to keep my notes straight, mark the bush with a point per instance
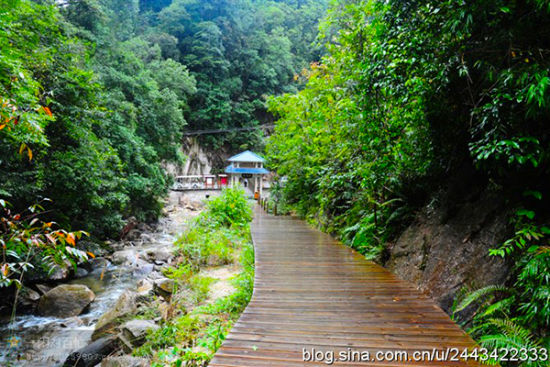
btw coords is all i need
(230, 208)
(30, 243)
(215, 237)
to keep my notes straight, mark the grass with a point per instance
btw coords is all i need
(218, 236)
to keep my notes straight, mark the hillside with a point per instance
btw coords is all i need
(421, 141)
(414, 132)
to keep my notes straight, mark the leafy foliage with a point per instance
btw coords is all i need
(410, 93)
(23, 104)
(231, 208)
(95, 95)
(238, 52)
(518, 316)
(31, 244)
(214, 238)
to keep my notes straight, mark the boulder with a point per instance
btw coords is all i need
(125, 257)
(124, 306)
(161, 255)
(144, 290)
(80, 273)
(43, 288)
(65, 300)
(135, 330)
(163, 286)
(28, 297)
(125, 361)
(93, 353)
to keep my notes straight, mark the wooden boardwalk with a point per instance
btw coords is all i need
(311, 292)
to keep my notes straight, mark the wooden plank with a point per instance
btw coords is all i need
(313, 293)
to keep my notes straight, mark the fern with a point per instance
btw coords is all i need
(478, 294)
(511, 335)
(516, 333)
(498, 307)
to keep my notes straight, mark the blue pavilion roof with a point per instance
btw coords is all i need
(246, 156)
(258, 171)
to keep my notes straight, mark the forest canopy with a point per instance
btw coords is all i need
(377, 104)
(96, 94)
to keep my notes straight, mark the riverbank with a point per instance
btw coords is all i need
(213, 277)
(47, 339)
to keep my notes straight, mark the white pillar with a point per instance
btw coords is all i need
(261, 177)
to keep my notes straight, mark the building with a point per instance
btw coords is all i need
(247, 169)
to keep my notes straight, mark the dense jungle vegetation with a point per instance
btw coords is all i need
(219, 236)
(409, 93)
(393, 99)
(96, 94)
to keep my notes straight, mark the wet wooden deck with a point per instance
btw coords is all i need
(312, 292)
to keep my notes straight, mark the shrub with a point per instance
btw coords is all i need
(230, 208)
(28, 243)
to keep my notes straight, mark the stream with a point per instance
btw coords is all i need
(47, 341)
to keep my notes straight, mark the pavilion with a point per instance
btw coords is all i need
(247, 169)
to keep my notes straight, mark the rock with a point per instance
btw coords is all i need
(42, 288)
(133, 235)
(147, 237)
(99, 262)
(98, 249)
(143, 268)
(125, 257)
(135, 330)
(117, 246)
(447, 246)
(124, 306)
(155, 275)
(28, 297)
(158, 268)
(80, 273)
(58, 273)
(30, 294)
(166, 311)
(93, 353)
(65, 300)
(125, 361)
(191, 208)
(143, 227)
(162, 255)
(163, 286)
(144, 290)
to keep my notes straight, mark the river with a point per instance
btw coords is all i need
(34, 341)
